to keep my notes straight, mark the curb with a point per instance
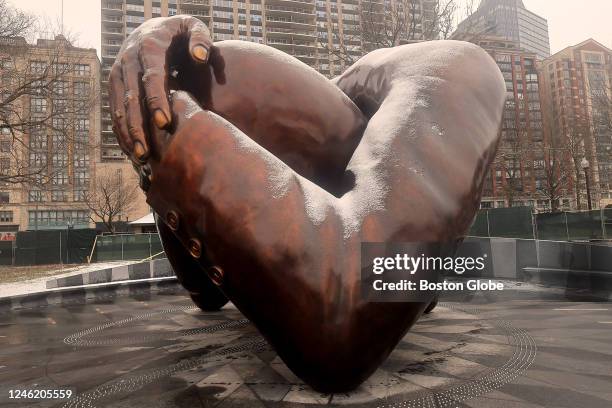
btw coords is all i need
(156, 268)
(94, 293)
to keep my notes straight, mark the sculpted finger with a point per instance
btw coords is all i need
(117, 92)
(200, 41)
(132, 103)
(152, 57)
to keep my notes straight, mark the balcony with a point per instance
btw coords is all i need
(303, 4)
(288, 11)
(195, 3)
(280, 32)
(112, 154)
(109, 20)
(112, 7)
(290, 22)
(116, 33)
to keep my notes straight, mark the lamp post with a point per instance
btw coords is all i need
(585, 166)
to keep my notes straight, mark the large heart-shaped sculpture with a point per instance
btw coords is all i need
(267, 193)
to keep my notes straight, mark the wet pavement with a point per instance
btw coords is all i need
(161, 351)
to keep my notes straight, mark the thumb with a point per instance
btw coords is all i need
(182, 106)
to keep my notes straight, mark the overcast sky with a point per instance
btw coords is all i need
(569, 21)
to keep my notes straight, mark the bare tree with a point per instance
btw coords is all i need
(601, 98)
(110, 197)
(44, 117)
(556, 175)
(555, 170)
(601, 102)
(14, 22)
(508, 159)
(382, 24)
(574, 141)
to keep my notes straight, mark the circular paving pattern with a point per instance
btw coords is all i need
(449, 356)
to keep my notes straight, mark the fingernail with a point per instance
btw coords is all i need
(139, 151)
(199, 52)
(160, 118)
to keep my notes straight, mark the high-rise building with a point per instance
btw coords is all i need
(577, 83)
(310, 30)
(48, 133)
(517, 175)
(510, 20)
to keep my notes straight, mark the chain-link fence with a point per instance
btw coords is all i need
(48, 247)
(126, 247)
(521, 222)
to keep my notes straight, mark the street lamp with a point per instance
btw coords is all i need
(585, 166)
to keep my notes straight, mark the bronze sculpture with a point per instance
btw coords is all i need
(271, 208)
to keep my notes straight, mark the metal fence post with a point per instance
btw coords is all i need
(488, 226)
(150, 253)
(122, 248)
(60, 250)
(603, 223)
(566, 225)
(534, 225)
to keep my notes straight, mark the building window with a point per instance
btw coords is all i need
(81, 160)
(6, 63)
(57, 217)
(4, 197)
(81, 178)
(35, 196)
(80, 194)
(5, 165)
(58, 196)
(60, 68)
(81, 89)
(134, 7)
(5, 146)
(6, 216)
(82, 125)
(137, 19)
(60, 88)
(37, 159)
(38, 105)
(60, 179)
(37, 67)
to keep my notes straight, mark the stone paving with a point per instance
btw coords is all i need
(161, 351)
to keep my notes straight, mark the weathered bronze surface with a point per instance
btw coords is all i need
(276, 175)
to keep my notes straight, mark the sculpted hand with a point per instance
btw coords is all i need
(139, 78)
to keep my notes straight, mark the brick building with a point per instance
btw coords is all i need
(48, 132)
(577, 83)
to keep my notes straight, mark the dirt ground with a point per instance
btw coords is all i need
(10, 274)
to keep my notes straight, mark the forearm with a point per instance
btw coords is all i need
(231, 189)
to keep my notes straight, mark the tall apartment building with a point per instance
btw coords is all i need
(48, 131)
(517, 175)
(577, 82)
(310, 30)
(510, 20)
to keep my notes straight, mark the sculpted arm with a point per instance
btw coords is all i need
(289, 250)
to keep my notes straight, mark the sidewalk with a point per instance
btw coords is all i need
(39, 284)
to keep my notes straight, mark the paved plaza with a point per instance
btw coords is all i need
(161, 351)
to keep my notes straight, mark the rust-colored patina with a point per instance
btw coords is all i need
(268, 177)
